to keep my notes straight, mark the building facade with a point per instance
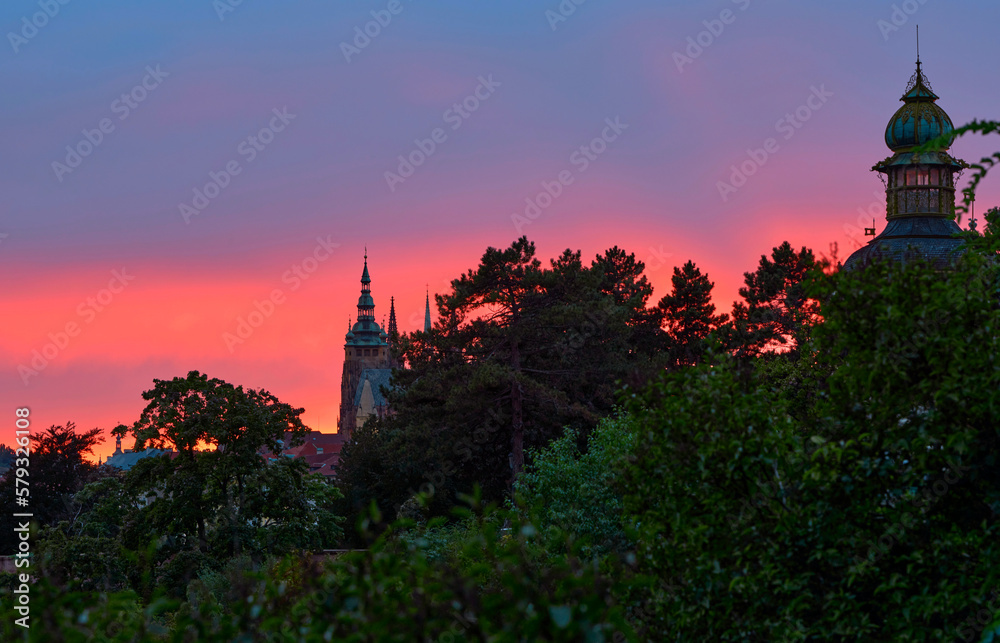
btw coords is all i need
(367, 359)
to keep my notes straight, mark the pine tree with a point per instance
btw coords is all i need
(689, 315)
(775, 312)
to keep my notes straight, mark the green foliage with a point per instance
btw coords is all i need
(689, 315)
(59, 467)
(170, 519)
(577, 493)
(58, 614)
(776, 313)
(491, 583)
(82, 562)
(226, 500)
(520, 352)
(980, 169)
(858, 501)
(6, 456)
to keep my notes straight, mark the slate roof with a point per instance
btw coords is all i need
(379, 377)
(128, 459)
(929, 238)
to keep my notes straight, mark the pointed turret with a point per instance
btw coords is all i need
(393, 329)
(366, 305)
(427, 313)
(366, 331)
(366, 350)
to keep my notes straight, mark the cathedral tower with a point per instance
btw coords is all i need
(367, 364)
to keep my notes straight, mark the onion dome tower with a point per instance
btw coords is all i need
(366, 348)
(920, 186)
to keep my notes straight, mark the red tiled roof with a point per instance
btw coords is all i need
(321, 451)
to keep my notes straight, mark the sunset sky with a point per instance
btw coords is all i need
(172, 165)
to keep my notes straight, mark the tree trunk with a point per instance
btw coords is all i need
(516, 406)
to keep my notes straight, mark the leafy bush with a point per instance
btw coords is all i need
(493, 583)
(872, 515)
(577, 493)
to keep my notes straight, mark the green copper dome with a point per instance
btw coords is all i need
(366, 331)
(919, 186)
(919, 120)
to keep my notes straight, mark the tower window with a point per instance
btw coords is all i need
(922, 176)
(935, 177)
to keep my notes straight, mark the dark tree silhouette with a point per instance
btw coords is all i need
(689, 315)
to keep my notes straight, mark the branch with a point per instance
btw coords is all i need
(980, 169)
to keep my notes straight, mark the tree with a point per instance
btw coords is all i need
(689, 315)
(505, 288)
(6, 456)
(218, 494)
(872, 516)
(59, 467)
(979, 170)
(775, 313)
(521, 351)
(574, 492)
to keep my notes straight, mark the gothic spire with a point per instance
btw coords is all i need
(427, 312)
(393, 330)
(366, 305)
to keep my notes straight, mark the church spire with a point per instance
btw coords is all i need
(393, 330)
(366, 305)
(427, 312)
(365, 331)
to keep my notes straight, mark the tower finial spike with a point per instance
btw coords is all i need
(427, 311)
(918, 44)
